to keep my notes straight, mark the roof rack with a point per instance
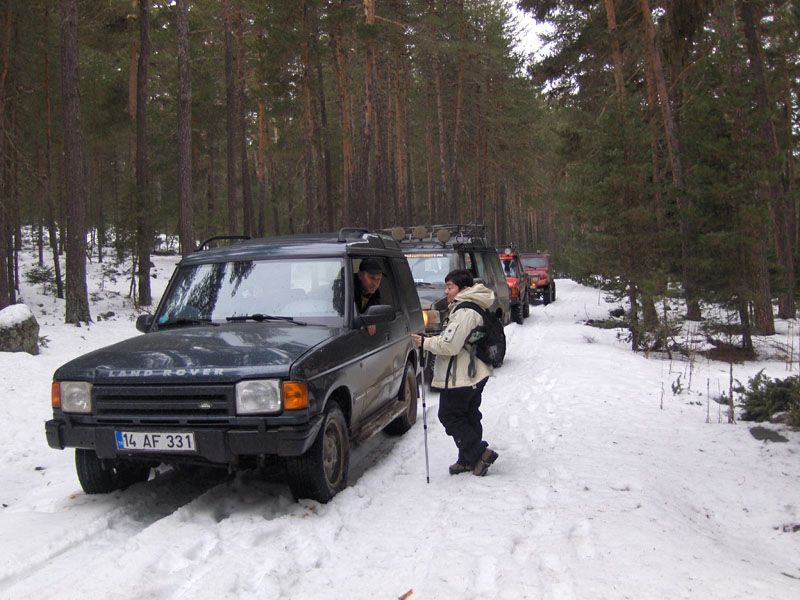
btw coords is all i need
(230, 238)
(358, 231)
(455, 233)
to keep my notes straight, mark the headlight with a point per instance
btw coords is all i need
(430, 317)
(74, 396)
(258, 396)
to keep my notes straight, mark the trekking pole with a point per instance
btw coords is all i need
(425, 418)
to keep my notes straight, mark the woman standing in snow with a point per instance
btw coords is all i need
(459, 376)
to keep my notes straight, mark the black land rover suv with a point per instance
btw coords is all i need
(433, 251)
(256, 351)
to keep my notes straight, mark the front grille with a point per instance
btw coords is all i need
(164, 405)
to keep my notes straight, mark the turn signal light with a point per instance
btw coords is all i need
(295, 395)
(55, 394)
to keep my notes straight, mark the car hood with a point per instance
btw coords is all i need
(224, 353)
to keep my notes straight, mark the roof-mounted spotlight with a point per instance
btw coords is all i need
(443, 235)
(419, 232)
(398, 234)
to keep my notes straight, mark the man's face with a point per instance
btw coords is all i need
(450, 290)
(370, 282)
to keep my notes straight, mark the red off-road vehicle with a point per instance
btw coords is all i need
(519, 284)
(540, 269)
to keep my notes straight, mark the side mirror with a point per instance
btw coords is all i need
(143, 322)
(379, 313)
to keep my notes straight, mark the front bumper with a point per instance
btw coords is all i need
(222, 445)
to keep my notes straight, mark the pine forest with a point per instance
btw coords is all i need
(649, 145)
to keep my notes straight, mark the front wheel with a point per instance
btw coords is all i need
(516, 314)
(408, 396)
(101, 477)
(321, 472)
(526, 307)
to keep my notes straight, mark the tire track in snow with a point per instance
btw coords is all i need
(143, 505)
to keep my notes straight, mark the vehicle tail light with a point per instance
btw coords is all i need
(295, 395)
(55, 394)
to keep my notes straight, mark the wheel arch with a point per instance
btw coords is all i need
(341, 396)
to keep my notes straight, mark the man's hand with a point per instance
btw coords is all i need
(371, 329)
(417, 340)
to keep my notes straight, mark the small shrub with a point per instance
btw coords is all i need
(764, 398)
(677, 387)
(43, 276)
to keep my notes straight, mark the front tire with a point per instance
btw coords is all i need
(101, 477)
(547, 295)
(408, 395)
(517, 315)
(321, 472)
(526, 307)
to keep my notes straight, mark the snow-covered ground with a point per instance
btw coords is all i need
(599, 491)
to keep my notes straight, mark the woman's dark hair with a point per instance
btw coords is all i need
(461, 278)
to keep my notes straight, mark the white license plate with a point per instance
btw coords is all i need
(161, 441)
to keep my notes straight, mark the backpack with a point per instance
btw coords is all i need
(488, 341)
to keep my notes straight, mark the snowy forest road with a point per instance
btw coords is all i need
(598, 492)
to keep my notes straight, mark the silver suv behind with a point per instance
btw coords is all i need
(433, 251)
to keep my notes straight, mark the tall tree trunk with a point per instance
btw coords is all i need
(401, 142)
(429, 185)
(144, 234)
(326, 186)
(48, 177)
(341, 74)
(653, 55)
(443, 192)
(211, 191)
(247, 190)
(77, 299)
(367, 162)
(230, 119)
(273, 185)
(455, 154)
(5, 254)
(261, 167)
(185, 211)
(133, 62)
(782, 206)
(310, 159)
(616, 51)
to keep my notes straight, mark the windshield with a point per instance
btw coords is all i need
(509, 267)
(429, 267)
(309, 290)
(536, 262)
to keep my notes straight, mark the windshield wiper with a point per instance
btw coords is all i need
(261, 317)
(181, 322)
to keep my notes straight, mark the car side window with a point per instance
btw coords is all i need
(387, 291)
(481, 270)
(493, 265)
(406, 289)
(389, 288)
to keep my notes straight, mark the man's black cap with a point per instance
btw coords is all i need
(371, 265)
